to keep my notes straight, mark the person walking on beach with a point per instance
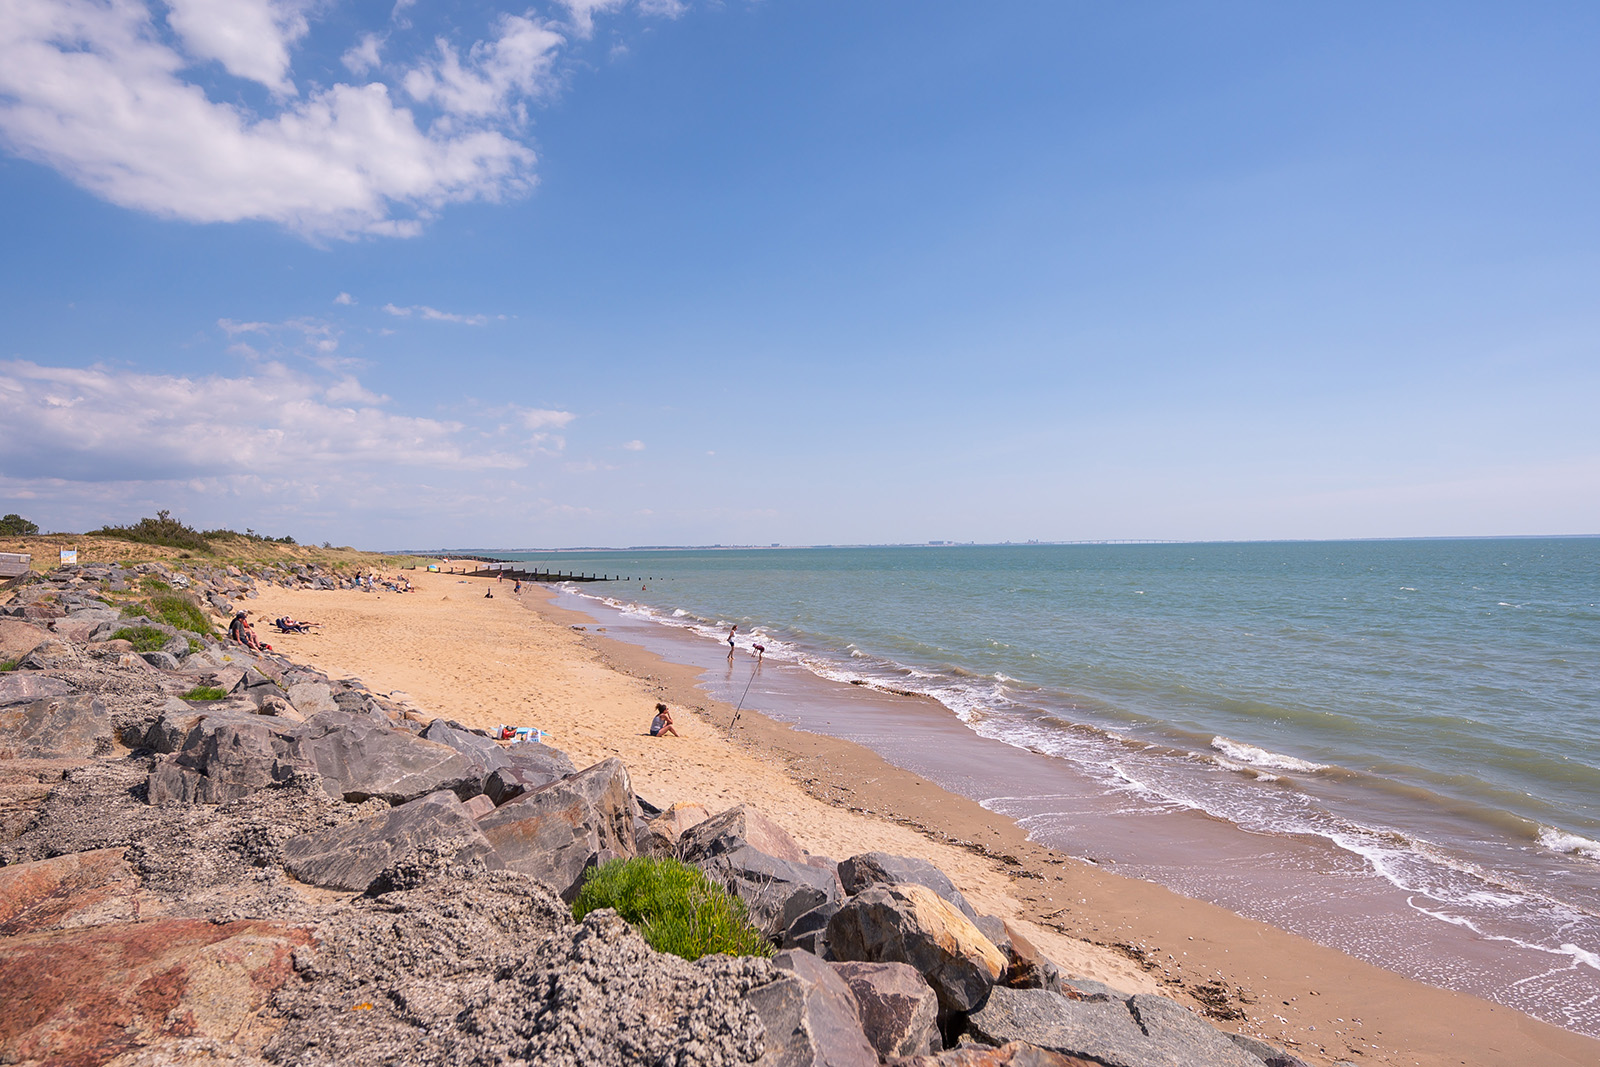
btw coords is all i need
(731, 631)
(661, 725)
(516, 587)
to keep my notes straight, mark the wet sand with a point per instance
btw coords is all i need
(488, 661)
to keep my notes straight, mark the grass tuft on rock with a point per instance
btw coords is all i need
(674, 906)
(8, 665)
(143, 638)
(174, 609)
(205, 692)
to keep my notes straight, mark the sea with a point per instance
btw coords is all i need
(1391, 747)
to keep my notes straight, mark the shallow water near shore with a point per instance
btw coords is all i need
(1390, 747)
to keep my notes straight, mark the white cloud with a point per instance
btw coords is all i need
(582, 13)
(345, 299)
(517, 62)
(363, 55)
(98, 425)
(634, 446)
(540, 419)
(423, 311)
(250, 38)
(92, 88)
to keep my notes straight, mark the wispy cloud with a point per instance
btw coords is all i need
(423, 311)
(634, 446)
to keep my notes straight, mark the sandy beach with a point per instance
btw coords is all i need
(485, 661)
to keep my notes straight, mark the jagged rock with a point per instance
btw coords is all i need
(352, 855)
(532, 766)
(53, 892)
(1013, 1054)
(738, 828)
(20, 688)
(479, 806)
(481, 750)
(360, 757)
(910, 923)
(161, 660)
(221, 759)
(1269, 1055)
(1136, 1031)
(51, 654)
(881, 868)
(776, 891)
(809, 932)
(899, 1011)
(673, 822)
(810, 1016)
(18, 638)
(56, 728)
(82, 996)
(553, 833)
(1026, 966)
(311, 698)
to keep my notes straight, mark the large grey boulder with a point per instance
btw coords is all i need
(810, 1016)
(480, 749)
(738, 828)
(912, 924)
(899, 1011)
(810, 931)
(531, 766)
(881, 868)
(311, 697)
(1137, 1031)
(360, 758)
(226, 757)
(52, 654)
(58, 727)
(556, 832)
(775, 891)
(223, 758)
(19, 687)
(352, 855)
(1012, 1054)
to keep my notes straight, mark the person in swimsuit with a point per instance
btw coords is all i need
(731, 631)
(661, 725)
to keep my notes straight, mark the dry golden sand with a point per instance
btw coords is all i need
(483, 662)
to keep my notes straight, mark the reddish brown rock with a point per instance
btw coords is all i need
(18, 638)
(80, 997)
(1014, 1054)
(38, 896)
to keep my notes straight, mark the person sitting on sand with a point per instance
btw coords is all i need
(661, 725)
(489, 595)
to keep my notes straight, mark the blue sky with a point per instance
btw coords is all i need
(609, 273)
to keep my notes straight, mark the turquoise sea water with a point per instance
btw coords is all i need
(1410, 724)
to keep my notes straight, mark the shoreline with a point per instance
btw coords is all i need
(840, 798)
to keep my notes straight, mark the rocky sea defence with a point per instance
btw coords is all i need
(212, 854)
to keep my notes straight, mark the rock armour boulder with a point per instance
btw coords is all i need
(899, 1011)
(353, 855)
(555, 832)
(881, 868)
(1137, 1031)
(58, 727)
(811, 1017)
(912, 924)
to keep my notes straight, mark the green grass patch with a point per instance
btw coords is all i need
(674, 906)
(196, 645)
(144, 638)
(205, 692)
(151, 584)
(8, 665)
(135, 611)
(181, 611)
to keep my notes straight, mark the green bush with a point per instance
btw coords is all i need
(180, 611)
(14, 525)
(151, 584)
(205, 692)
(161, 530)
(144, 638)
(135, 611)
(7, 665)
(674, 906)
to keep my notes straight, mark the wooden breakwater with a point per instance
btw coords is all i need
(503, 570)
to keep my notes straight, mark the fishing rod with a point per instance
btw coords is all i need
(739, 707)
